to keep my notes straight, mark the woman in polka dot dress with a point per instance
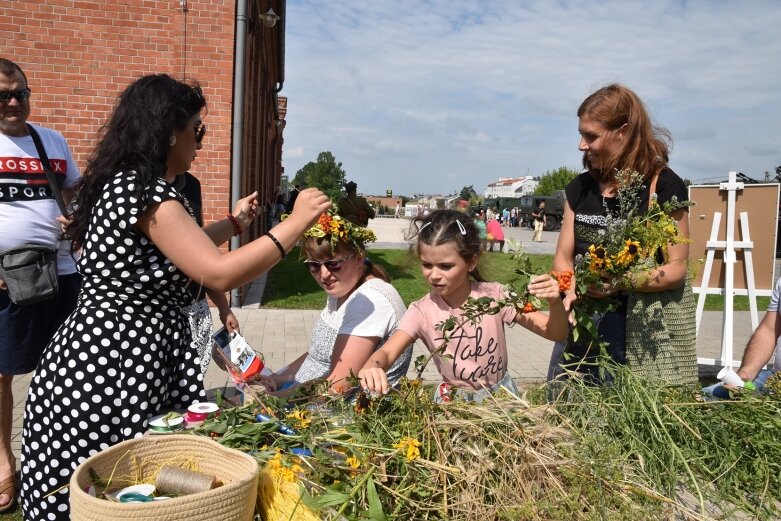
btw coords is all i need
(124, 354)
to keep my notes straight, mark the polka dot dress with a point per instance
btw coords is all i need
(121, 357)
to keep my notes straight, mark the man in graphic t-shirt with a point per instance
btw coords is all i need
(28, 215)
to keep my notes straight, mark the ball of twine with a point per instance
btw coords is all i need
(176, 481)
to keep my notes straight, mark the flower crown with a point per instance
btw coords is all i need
(340, 229)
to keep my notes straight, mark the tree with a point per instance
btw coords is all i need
(467, 192)
(476, 200)
(325, 174)
(553, 180)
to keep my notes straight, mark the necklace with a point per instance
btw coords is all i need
(178, 185)
(179, 182)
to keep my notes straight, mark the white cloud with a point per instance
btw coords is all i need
(422, 95)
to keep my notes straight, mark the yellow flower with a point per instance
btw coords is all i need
(353, 462)
(598, 259)
(411, 445)
(627, 255)
(671, 230)
(300, 419)
(283, 469)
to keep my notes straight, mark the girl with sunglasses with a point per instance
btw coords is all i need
(361, 312)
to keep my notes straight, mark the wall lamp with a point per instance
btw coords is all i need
(269, 18)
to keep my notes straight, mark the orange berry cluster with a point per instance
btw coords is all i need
(564, 278)
(528, 308)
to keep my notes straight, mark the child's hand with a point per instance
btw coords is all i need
(374, 379)
(545, 286)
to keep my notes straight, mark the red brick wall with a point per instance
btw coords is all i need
(79, 55)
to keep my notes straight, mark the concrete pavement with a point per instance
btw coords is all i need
(283, 335)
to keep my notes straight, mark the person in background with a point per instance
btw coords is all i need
(124, 355)
(494, 234)
(539, 222)
(397, 213)
(291, 198)
(362, 310)
(353, 207)
(29, 214)
(449, 248)
(480, 224)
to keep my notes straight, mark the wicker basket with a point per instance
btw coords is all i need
(234, 501)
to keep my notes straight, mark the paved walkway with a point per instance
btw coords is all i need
(283, 335)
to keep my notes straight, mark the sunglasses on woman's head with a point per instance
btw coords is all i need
(333, 265)
(200, 130)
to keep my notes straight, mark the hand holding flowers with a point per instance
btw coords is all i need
(635, 243)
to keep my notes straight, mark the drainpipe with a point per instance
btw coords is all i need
(237, 129)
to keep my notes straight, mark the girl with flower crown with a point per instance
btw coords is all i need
(618, 140)
(474, 361)
(362, 309)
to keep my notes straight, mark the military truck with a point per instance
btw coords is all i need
(554, 209)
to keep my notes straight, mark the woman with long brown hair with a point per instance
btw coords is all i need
(617, 135)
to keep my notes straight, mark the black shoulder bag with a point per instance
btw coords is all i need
(30, 270)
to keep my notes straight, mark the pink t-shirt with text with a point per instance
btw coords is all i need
(479, 351)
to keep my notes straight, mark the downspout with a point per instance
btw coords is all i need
(237, 129)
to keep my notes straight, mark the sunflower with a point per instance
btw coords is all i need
(628, 254)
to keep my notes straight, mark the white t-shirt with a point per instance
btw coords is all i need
(373, 310)
(28, 210)
(775, 298)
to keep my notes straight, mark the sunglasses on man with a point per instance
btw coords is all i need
(333, 265)
(20, 95)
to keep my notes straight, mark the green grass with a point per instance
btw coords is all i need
(716, 303)
(289, 285)
(12, 515)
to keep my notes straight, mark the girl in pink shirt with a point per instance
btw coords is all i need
(476, 354)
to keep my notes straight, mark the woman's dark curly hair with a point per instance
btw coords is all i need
(136, 137)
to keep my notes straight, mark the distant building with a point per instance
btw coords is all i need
(390, 202)
(511, 187)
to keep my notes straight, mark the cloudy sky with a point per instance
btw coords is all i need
(427, 96)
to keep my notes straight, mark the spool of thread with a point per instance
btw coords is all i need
(199, 412)
(166, 423)
(180, 482)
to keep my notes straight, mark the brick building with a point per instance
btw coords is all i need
(390, 202)
(79, 55)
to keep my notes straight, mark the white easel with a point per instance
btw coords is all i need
(729, 247)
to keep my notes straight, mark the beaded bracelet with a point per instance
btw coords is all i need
(279, 244)
(236, 225)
